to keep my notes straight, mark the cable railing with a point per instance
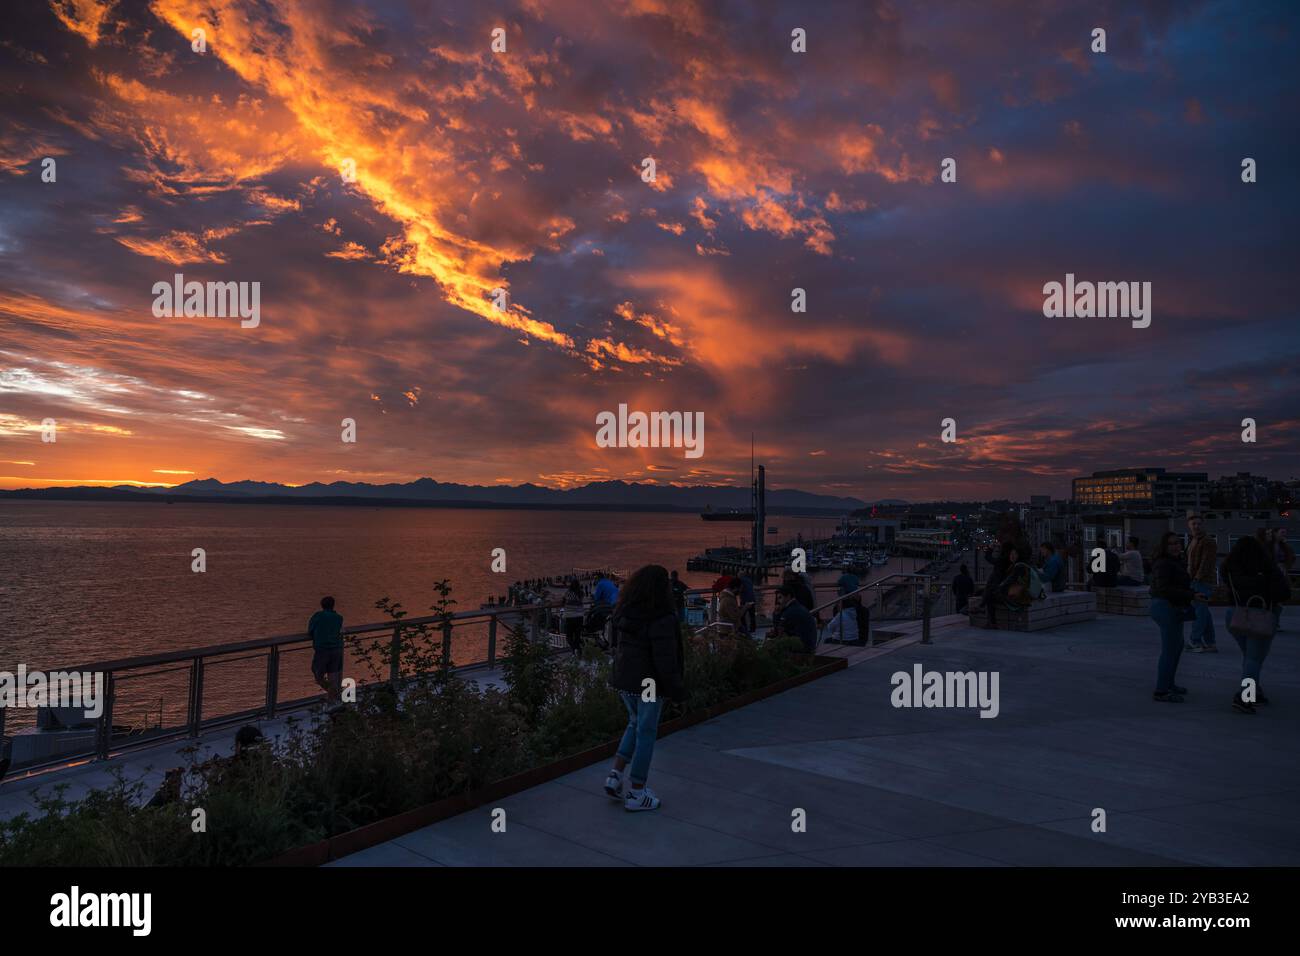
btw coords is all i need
(168, 695)
(151, 698)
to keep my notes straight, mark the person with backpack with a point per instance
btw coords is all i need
(1172, 600)
(1024, 584)
(1258, 586)
(648, 667)
(1011, 583)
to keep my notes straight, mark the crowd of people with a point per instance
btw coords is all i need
(646, 616)
(1256, 573)
(1182, 581)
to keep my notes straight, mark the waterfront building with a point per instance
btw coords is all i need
(1146, 489)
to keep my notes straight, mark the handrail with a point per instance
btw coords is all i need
(107, 734)
(215, 650)
(874, 584)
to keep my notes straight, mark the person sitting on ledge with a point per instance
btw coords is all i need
(1106, 576)
(799, 588)
(793, 618)
(843, 628)
(1053, 570)
(1131, 571)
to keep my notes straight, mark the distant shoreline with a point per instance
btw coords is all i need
(347, 501)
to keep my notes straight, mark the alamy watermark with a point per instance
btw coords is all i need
(946, 689)
(1102, 300)
(216, 300)
(72, 689)
(75, 908)
(651, 430)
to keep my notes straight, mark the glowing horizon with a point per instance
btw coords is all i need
(520, 170)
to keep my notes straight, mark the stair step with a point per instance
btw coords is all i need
(888, 632)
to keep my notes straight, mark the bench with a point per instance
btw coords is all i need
(1134, 600)
(1064, 607)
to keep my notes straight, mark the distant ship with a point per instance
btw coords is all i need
(727, 514)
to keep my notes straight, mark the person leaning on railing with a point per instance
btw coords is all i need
(326, 630)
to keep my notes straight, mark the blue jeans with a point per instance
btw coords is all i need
(1203, 628)
(1253, 652)
(1170, 621)
(638, 743)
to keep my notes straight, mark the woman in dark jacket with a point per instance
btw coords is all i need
(648, 666)
(1171, 607)
(1251, 573)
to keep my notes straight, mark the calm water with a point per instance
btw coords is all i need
(82, 581)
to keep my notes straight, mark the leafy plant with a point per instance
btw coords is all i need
(428, 736)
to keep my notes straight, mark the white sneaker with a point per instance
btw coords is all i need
(614, 786)
(643, 799)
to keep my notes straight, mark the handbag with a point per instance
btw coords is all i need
(1249, 621)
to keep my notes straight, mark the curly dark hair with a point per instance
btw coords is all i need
(647, 594)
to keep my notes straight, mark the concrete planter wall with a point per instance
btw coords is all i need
(382, 831)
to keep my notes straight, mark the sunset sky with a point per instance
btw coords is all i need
(522, 169)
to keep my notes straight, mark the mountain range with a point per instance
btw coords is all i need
(603, 494)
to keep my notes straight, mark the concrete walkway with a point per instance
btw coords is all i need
(1191, 783)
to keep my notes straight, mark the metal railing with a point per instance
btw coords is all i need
(193, 690)
(899, 596)
(199, 676)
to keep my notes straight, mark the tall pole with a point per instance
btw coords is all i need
(760, 520)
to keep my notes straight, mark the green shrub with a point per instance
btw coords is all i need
(388, 753)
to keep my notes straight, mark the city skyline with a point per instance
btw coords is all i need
(522, 170)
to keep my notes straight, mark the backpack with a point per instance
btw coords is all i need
(1027, 586)
(1036, 590)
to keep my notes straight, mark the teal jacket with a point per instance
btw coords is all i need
(326, 630)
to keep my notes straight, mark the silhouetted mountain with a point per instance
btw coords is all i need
(607, 494)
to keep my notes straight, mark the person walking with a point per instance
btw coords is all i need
(1252, 576)
(1172, 600)
(648, 667)
(1202, 554)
